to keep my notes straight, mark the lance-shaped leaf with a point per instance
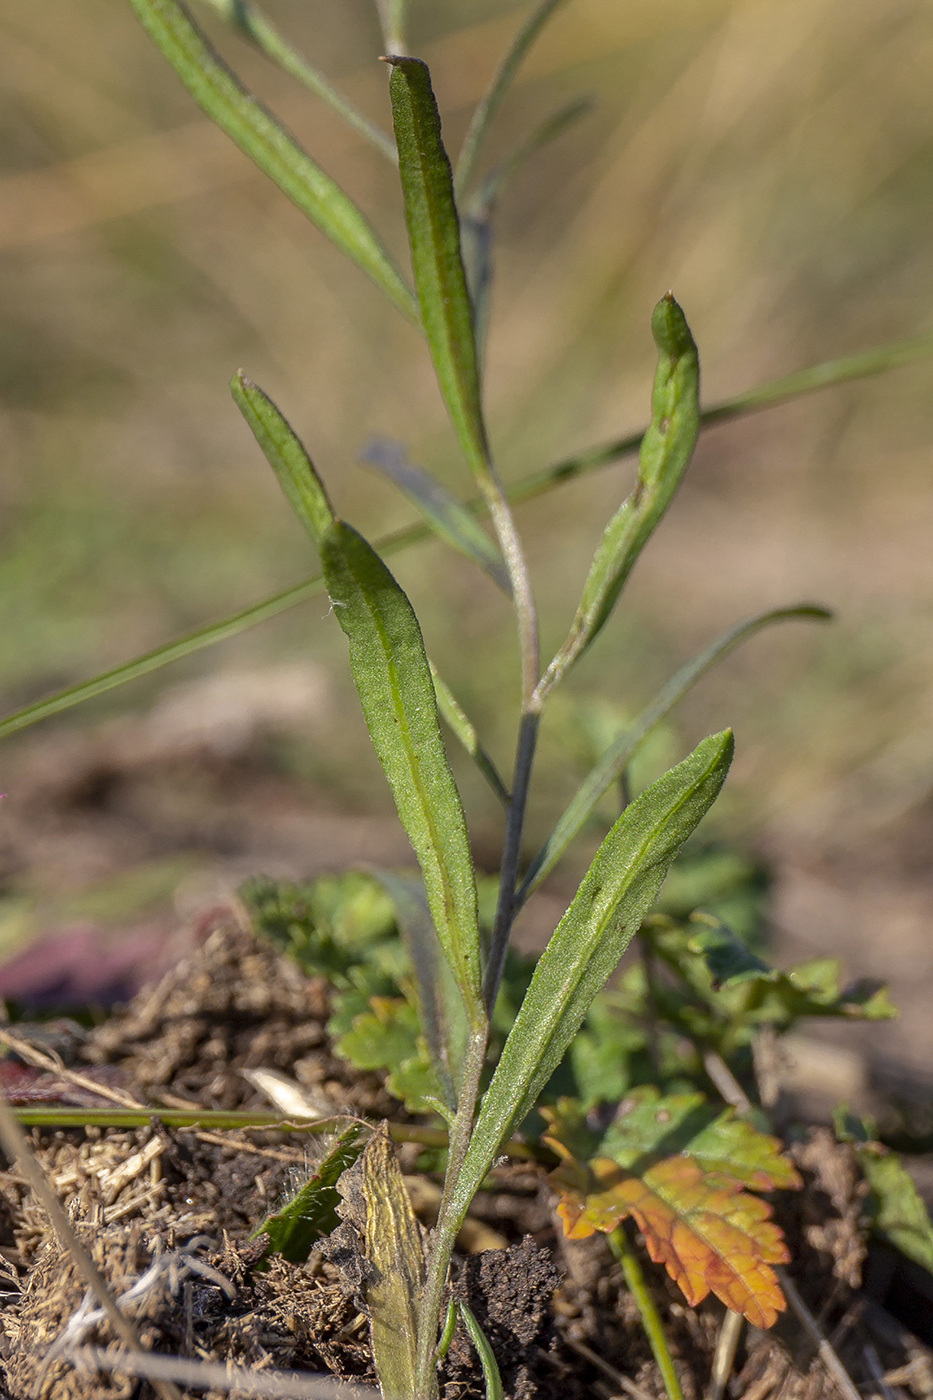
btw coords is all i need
(665, 452)
(220, 94)
(681, 1169)
(617, 891)
(434, 235)
(311, 1213)
(285, 454)
(450, 520)
(619, 754)
(397, 694)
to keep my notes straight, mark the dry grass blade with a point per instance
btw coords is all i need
(622, 1382)
(15, 1145)
(43, 1059)
(204, 1375)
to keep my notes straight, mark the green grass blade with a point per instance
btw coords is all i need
(253, 24)
(434, 235)
(489, 105)
(491, 190)
(619, 754)
(463, 730)
(476, 233)
(397, 694)
(664, 455)
(451, 521)
(487, 1357)
(220, 94)
(617, 891)
(770, 395)
(285, 454)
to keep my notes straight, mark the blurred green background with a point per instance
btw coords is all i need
(769, 160)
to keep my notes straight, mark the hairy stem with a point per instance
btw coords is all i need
(448, 1223)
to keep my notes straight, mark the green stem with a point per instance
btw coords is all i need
(650, 1317)
(392, 18)
(448, 1220)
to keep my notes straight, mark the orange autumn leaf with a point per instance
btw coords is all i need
(709, 1232)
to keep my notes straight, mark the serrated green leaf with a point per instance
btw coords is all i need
(434, 236)
(328, 926)
(449, 520)
(387, 1036)
(619, 754)
(665, 453)
(587, 944)
(397, 694)
(897, 1210)
(286, 455)
(295, 1228)
(730, 961)
(220, 94)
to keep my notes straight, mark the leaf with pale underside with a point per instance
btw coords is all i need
(682, 1170)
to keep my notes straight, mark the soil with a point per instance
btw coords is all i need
(177, 1209)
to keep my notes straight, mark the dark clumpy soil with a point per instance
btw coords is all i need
(176, 1210)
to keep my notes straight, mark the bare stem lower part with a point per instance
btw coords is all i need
(448, 1220)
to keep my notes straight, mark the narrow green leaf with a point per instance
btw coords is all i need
(770, 395)
(397, 694)
(311, 1213)
(619, 754)
(586, 946)
(220, 94)
(487, 1357)
(553, 126)
(450, 520)
(251, 22)
(665, 452)
(286, 456)
(434, 235)
(489, 105)
(463, 729)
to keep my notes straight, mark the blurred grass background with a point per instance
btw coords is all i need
(769, 160)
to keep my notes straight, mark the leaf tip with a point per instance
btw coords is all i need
(669, 327)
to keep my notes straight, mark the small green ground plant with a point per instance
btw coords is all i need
(426, 984)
